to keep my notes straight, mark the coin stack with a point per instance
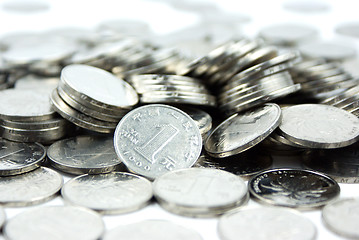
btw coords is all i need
(347, 100)
(26, 116)
(244, 74)
(92, 98)
(172, 89)
(321, 79)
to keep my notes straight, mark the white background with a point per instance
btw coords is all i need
(165, 19)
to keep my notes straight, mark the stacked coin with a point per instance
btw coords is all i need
(172, 89)
(320, 79)
(26, 116)
(92, 98)
(347, 100)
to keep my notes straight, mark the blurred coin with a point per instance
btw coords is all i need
(341, 217)
(293, 188)
(307, 6)
(17, 158)
(30, 188)
(22, 6)
(327, 50)
(36, 82)
(84, 154)
(265, 223)
(111, 193)
(152, 230)
(61, 222)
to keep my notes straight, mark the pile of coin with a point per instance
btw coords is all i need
(320, 79)
(347, 100)
(92, 98)
(26, 116)
(172, 89)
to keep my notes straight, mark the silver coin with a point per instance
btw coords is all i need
(36, 82)
(25, 105)
(341, 164)
(293, 188)
(266, 224)
(2, 217)
(111, 193)
(78, 118)
(46, 124)
(200, 192)
(307, 6)
(243, 131)
(152, 230)
(348, 29)
(84, 154)
(328, 51)
(342, 217)
(21, 6)
(155, 139)
(17, 158)
(288, 34)
(319, 126)
(203, 119)
(55, 222)
(99, 88)
(29, 188)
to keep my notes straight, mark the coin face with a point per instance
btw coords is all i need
(155, 139)
(293, 188)
(25, 105)
(199, 191)
(242, 131)
(99, 85)
(342, 217)
(55, 222)
(152, 230)
(266, 223)
(17, 158)
(29, 188)
(110, 193)
(319, 126)
(84, 154)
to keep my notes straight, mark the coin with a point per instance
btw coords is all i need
(46, 124)
(200, 192)
(154, 139)
(36, 82)
(203, 119)
(55, 222)
(25, 105)
(307, 6)
(30, 188)
(111, 193)
(83, 154)
(341, 164)
(243, 131)
(17, 158)
(348, 29)
(288, 34)
(293, 188)
(319, 126)
(341, 217)
(78, 118)
(97, 88)
(266, 223)
(152, 230)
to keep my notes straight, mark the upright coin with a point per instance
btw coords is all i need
(200, 192)
(84, 154)
(293, 188)
(342, 217)
(319, 126)
(155, 139)
(152, 230)
(25, 105)
(110, 193)
(266, 224)
(98, 88)
(29, 188)
(55, 222)
(17, 158)
(242, 131)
